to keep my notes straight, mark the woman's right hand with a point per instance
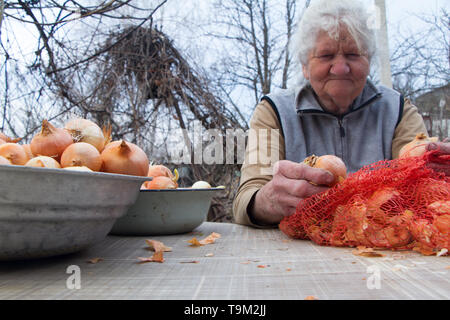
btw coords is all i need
(291, 183)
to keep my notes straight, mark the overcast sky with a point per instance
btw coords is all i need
(400, 12)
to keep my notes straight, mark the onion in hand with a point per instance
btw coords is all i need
(417, 147)
(331, 163)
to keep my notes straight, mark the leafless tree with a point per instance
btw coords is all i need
(259, 33)
(420, 61)
(50, 82)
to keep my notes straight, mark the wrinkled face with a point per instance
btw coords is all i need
(337, 71)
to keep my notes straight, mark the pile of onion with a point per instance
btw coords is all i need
(163, 178)
(80, 146)
(51, 141)
(417, 147)
(124, 158)
(83, 130)
(331, 163)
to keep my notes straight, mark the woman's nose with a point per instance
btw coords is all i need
(339, 66)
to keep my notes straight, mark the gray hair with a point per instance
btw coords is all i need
(328, 15)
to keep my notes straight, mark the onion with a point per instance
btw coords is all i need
(201, 185)
(81, 154)
(3, 160)
(440, 207)
(83, 130)
(125, 158)
(330, 163)
(27, 149)
(159, 170)
(442, 223)
(50, 141)
(417, 147)
(2, 141)
(43, 162)
(5, 138)
(82, 168)
(14, 153)
(161, 182)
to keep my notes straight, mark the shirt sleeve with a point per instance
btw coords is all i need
(410, 125)
(265, 146)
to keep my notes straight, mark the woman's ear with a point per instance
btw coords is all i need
(305, 72)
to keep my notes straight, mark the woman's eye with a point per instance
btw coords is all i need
(352, 55)
(326, 57)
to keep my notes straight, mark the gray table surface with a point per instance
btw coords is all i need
(244, 263)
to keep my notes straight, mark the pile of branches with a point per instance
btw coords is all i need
(146, 63)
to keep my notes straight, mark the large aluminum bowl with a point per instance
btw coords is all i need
(166, 212)
(47, 212)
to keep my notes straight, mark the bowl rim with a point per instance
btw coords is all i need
(11, 167)
(182, 189)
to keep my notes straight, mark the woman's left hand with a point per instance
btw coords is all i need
(443, 149)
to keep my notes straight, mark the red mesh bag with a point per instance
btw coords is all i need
(396, 204)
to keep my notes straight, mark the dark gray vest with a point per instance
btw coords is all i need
(360, 137)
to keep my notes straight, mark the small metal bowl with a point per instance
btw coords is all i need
(47, 212)
(166, 212)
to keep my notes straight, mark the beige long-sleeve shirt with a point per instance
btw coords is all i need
(255, 175)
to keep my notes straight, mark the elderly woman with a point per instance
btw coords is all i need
(338, 111)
